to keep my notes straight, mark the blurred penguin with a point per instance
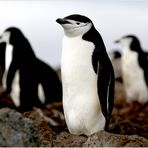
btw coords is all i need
(134, 69)
(25, 77)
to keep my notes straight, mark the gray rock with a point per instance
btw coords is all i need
(16, 130)
(65, 139)
(45, 132)
(105, 139)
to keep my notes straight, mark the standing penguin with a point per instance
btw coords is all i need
(25, 76)
(87, 77)
(134, 69)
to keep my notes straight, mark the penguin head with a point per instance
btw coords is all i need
(5, 37)
(75, 25)
(11, 36)
(129, 41)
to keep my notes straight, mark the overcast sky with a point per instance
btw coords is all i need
(36, 19)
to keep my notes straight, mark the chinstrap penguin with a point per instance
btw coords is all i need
(134, 69)
(87, 77)
(25, 77)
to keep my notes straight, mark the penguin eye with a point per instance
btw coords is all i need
(78, 23)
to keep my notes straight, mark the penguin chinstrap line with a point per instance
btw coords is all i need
(134, 69)
(25, 77)
(87, 77)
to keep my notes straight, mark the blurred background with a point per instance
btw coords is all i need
(36, 19)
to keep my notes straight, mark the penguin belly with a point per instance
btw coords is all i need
(133, 77)
(80, 98)
(15, 92)
(8, 60)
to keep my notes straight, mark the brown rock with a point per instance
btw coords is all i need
(105, 139)
(65, 139)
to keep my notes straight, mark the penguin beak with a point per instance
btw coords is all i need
(62, 21)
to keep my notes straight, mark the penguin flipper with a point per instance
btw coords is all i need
(105, 85)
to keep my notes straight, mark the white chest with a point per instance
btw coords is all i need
(76, 66)
(80, 98)
(133, 77)
(15, 92)
(77, 58)
(8, 59)
(8, 56)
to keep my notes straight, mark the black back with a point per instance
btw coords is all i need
(49, 79)
(22, 49)
(142, 56)
(103, 68)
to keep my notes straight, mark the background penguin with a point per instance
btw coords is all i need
(25, 75)
(87, 77)
(134, 69)
(115, 54)
(5, 100)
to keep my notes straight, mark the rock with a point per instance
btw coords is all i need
(105, 139)
(65, 139)
(53, 136)
(17, 130)
(45, 132)
(128, 118)
(46, 127)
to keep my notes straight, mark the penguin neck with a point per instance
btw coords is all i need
(94, 36)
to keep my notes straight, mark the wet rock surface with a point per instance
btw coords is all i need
(47, 128)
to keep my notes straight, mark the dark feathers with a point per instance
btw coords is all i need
(32, 72)
(103, 68)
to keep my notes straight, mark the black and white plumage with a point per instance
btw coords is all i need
(25, 77)
(87, 77)
(115, 54)
(134, 69)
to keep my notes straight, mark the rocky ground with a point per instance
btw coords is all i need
(128, 127)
